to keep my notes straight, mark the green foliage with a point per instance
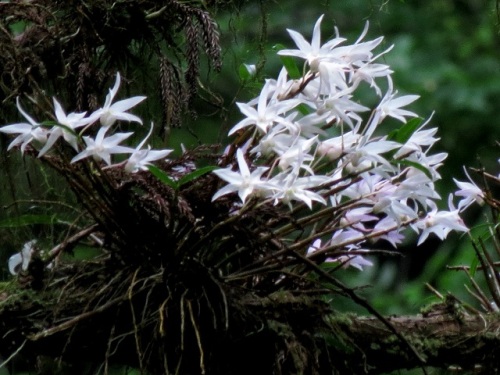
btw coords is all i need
(163, 177)
(28, 220)
(404, 133)
(176, 185)
(289, 63)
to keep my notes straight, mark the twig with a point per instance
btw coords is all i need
(70, 241)
(13, 355)
(134, 320)
(198, 337)
(467, 268)
(486, 269)
(69, 323)
(433, 290)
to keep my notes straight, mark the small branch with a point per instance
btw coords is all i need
(70, 242)
(72, 322)
(4, 363)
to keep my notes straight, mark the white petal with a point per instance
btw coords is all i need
(26, 116)
(302, 44)
(316, 37)
(15, 263)
(242, 164)
(126, 104)
(225, 190)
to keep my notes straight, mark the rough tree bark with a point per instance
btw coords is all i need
(277, 334)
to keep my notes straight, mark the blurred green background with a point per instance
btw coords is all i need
(446, 51)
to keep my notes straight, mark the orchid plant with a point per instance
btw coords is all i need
(337, 181)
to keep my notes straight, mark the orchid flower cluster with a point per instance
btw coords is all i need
(306, 145)
(305, 142)
(43, 137)
(101, 147)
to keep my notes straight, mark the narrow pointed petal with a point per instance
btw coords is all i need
(316, 37)
(126, 104)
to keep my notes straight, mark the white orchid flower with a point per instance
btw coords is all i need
(243, 181)
(69, 122)
(312, 52)
(101, 148)
(469, 192)
(27, 131)
(141, 158)
(112, 112)
(20, 261)
(441, 223)
(267, 112)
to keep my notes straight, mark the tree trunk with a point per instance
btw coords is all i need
(277, 334)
